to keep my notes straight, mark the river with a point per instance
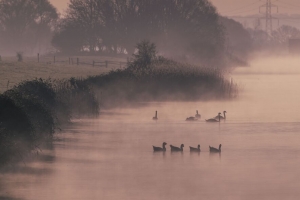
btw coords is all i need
(112, 157)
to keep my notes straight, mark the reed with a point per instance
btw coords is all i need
(163, 80)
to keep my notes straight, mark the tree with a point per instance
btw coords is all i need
(183, 27)
(83, 19)
(284, 33)
(25, 25)
(238, 39)
(68, 38)
(145, 55)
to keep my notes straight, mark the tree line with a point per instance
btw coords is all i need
(115, 26)
(190, 29)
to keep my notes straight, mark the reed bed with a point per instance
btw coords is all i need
(163, 80)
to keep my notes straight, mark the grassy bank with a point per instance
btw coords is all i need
(13, 72)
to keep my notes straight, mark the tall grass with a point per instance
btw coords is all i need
(78, 95)
(163, 80)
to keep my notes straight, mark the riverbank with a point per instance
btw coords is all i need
(40, 106)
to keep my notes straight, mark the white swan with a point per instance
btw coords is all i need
(221, 117)
(214, 119)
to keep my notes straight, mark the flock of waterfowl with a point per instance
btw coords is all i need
(217, 118)
(192, 149)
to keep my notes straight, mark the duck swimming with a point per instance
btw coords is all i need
(163, 148)
(193, 149)
(215, 150)
(173, 148)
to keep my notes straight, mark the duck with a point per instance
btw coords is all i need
(215, 150)
(193, 149)
(221, 117)
(214, 119)
(191, 119)
(155, 117)
(173, 148)
(163, 148)
(198, 116)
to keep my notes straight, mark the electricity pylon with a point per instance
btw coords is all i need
(268, 15)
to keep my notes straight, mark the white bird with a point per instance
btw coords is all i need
(214, 119)
(221, 117)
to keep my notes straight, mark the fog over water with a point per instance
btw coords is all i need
(112, 157)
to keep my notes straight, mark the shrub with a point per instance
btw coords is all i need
(79, 97)
(146, 54)
(16, 131)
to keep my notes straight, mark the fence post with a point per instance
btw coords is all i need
(106, 63)
(93, 63)
(72, 60)
(77, 61)
(38, 57)
(53, 59)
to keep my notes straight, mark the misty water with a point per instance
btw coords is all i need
(112, 157)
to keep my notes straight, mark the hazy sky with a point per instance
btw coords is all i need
(229, 7)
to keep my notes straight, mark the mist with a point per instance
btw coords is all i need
(90, 96)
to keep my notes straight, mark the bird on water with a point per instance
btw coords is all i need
(221, 117)
(191, 119)
(215, 150)
(198, 116)
(193, 149)
(214, 119)
(155, 117)
(163, 148)
(173, 148)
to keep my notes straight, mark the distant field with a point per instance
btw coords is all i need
(16, 72)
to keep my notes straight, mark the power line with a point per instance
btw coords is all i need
(289, 4)
(243, 11)
(239, 8)
(289, 7)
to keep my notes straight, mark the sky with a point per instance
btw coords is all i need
(229, 7)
